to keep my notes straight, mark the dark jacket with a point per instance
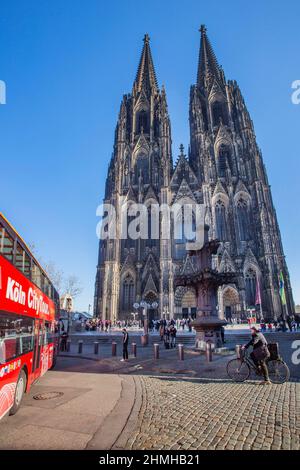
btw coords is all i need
(257, 341)
(173, 332)
(125, 339)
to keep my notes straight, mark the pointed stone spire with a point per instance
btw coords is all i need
(145, 77)
(208, 67)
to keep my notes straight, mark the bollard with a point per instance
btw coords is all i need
(113, 348)
(144, 340)
(181, 352)
(96, 347)
(208, 352)
(238, 349)
(80, 344)
(133, 349)
(68, 345)
(156, 351)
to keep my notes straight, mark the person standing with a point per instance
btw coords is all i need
(125, 345)
(161, 330)
(223, 334)
(63, 341)
(173, 332)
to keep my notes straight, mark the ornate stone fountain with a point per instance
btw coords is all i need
(199, 273)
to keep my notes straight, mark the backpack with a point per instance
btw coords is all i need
(261, 353)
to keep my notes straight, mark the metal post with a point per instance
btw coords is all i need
(113, 348)
(238, 351)
(80, 344)
(181, 352)
(96, 347)
(208, 352)
(68, 345)
(156, 351)
(133, 348)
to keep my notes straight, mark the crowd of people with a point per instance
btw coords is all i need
(184, 324)
(167, 333)
(290, 324)
(96, 324)
(168, 329)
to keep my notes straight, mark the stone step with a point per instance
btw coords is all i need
(107, 340)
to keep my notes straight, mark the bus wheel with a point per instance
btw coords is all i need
(20, 389)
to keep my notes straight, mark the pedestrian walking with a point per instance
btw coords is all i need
(173, 332)
(125, 345)
(161, 331)
(167, 338)
(63, 341)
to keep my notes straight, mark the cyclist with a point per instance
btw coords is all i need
(260, 353)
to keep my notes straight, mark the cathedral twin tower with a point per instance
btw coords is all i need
(224, 171)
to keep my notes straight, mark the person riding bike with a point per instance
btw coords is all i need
(260, 353)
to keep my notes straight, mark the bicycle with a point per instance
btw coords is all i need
(239, 369)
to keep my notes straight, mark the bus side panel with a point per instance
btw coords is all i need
(9, 374)
(46, 358)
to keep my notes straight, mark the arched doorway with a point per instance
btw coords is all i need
(189, 304)
(231, 307)
(151, 297)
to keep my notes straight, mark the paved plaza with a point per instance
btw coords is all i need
(207, 415)
(103, 403)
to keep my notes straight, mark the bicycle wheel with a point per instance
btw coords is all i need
(238, 370)
(278, 371)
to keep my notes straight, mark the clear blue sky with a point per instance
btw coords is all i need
(67, 64)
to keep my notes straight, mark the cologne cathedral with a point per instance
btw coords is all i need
(223, 170)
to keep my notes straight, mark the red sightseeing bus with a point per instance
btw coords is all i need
(29, 308)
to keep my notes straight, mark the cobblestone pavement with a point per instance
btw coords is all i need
(190, 415)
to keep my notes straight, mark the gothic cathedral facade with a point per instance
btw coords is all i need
(224, 170)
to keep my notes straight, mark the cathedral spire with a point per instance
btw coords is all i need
(146, 77)
(208, 67)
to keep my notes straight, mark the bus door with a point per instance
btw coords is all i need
(37, 348)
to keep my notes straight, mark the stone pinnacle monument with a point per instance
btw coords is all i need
(198, 272)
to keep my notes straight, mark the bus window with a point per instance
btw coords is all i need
(49, 333)
(22, 260)
(16, 336)
(7, 245)
(2, 231)
(36, 275)
(47, 287)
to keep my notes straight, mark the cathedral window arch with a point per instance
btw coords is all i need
(224, 160)
(250, 285)
(184, 230)
(142, 168)
(153, 225)
(243, 220)
(127, 241)
(127, 293)
(219, 113)
(220, 216)
(155, 170)
(142, 121)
